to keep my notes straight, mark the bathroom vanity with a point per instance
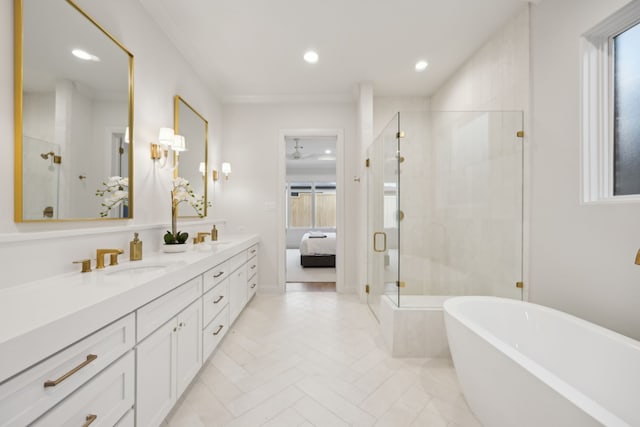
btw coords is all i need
(120, 345)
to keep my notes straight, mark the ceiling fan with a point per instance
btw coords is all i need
(297, 153)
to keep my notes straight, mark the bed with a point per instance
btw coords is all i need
(318, 249)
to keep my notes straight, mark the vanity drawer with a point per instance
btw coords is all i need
(252, 267)
(214, 301)
(104, 399)
(214, 332)
(252, 251)
(26, 397)
(237, 260)
(252, 287)
(216, 275)
(153, 315)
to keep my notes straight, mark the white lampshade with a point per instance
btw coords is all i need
(226, 168)
(202, 168)
(166, 136)
(179, 144)
(126, 135)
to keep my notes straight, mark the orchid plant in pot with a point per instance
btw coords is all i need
(182, 192)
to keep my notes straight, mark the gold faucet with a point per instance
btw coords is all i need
(100, 256)
(202, 236)
(86, 265)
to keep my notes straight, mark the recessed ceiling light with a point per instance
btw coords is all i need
(311, 57)
(327, 151)
(421, 65)
(79, 53)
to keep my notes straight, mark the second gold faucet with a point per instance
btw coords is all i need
(100, 253)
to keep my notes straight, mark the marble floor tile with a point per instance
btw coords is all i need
(317, 359)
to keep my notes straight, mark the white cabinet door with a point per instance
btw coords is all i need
(189, 345)
(237, 292)
(156, 375)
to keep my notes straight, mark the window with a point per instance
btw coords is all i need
(611, 107)
(626, 112)
(312, 205)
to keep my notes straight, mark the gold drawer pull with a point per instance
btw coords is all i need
(253, 251)
(90, 418)
(90, 358)
(253, 286)
(215, 276)
(253, 266)
(218, 299)
(219, 329)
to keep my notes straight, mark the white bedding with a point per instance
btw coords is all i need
(318, 246)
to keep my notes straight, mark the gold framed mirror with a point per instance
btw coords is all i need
(191, 164)
(73, 116)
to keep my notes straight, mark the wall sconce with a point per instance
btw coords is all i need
(179, 143)
(159, 151)
(226, 169)
(214, 174)
(202, 170)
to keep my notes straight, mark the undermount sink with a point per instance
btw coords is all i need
(208, 245)
(136, 269)
(216, 242)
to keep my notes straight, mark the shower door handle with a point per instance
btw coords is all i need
(375, 241)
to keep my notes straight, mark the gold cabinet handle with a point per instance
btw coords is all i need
(215, 276)
(90, 358)
(253, 266)
(375, 241)
(219, 329)
(253, 286)
(90, 418)
(253, 251)
(217, 300)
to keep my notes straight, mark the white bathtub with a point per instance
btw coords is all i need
(522, 364)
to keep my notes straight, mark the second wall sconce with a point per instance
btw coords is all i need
(226, 169)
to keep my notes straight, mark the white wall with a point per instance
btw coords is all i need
(581, 256)
(251, 134)
(160, 73)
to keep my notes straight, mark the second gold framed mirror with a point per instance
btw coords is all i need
(191, 164)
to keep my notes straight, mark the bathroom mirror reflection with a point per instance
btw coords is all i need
(191, 163)
(74, 117)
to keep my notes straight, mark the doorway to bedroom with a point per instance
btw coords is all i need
(311, 218)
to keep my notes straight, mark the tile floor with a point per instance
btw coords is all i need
(317, 359)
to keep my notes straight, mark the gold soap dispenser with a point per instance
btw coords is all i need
(214, 233)
(135, 248)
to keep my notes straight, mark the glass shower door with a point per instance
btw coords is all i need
(383, 218)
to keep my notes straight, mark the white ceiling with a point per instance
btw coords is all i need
(252, 49)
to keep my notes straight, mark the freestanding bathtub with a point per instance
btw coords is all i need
(522, 364)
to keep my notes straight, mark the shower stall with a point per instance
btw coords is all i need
(445, 212)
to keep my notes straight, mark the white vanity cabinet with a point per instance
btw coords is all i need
(130, 353)
(167, 361)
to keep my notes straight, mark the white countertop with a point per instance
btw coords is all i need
(40, 318)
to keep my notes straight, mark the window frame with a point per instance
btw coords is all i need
(598, 108)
